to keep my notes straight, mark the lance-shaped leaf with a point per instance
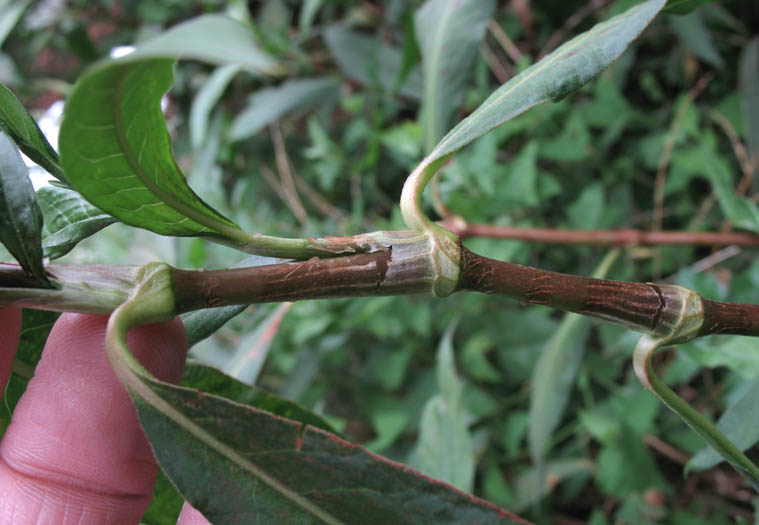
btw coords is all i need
(203, 377)
(115, 150)
(20, 215)
(445, 449)
(238, 464)
(449, 35)
(10, 12)
(749, 82)
(19, 125)
(207, 96)
(114, 143)
(555, 373)
(68, 219)
(267, 105)
(371, 62)
(740, 423)
(566, 69)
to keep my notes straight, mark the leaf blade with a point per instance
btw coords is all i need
(267, 105)
(449, 34)
(129, 171)
(17, 123)
(20, 215)
(561, 72)
(68, 219)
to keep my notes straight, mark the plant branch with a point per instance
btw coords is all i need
(620, 237)
(406, 265)
(646, 307)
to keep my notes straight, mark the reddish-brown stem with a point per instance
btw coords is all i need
(730, 318)
(403, 269)
(646, 307)
(621, 237)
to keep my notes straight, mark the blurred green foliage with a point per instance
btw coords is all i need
(349, 115)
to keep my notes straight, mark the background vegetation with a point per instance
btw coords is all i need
(536, 411)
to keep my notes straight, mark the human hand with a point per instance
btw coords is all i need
(74, 451)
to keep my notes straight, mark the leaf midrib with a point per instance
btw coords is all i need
(432, 89)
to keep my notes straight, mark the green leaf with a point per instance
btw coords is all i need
(522, 178)
(370, 61)
(68, 219)
(115, 150)
(267, 105)
(165, 505)
(445, 449)
(203, 377)
(208, 95)
(563, 71)
(20, 215)
(625, 466)
(749, 84)
(566, 69)
(741, 211)
(115, 146)
(740, 423)
(250, 354)
(696, 37)
(238, 463)
(533, 485)
(683, 7)
(17, 123)
(10, 12)
(215, 39)
(114, 142)
(555, 373)
(449, 36)
(735, 352)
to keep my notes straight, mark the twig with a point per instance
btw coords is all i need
(645, 307)
(499, 70)
(570, 24)
(748, 167)
(285, 174)
(437, 198)
(274, 182)
(621, 237)
(316, 198)
(665, 449)
(669, 145)
(505, 42)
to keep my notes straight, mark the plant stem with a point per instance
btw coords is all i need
(621, 237)
(646, 307)
(405, 267)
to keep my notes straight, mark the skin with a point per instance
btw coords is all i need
(74, 451)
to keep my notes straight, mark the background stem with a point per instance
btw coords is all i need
(621, 237)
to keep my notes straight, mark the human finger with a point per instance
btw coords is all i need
(74, 452)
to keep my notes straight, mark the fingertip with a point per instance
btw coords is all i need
(75, 429)
(191, 516)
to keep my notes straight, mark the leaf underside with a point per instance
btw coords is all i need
(115, 150)
(341, 479)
